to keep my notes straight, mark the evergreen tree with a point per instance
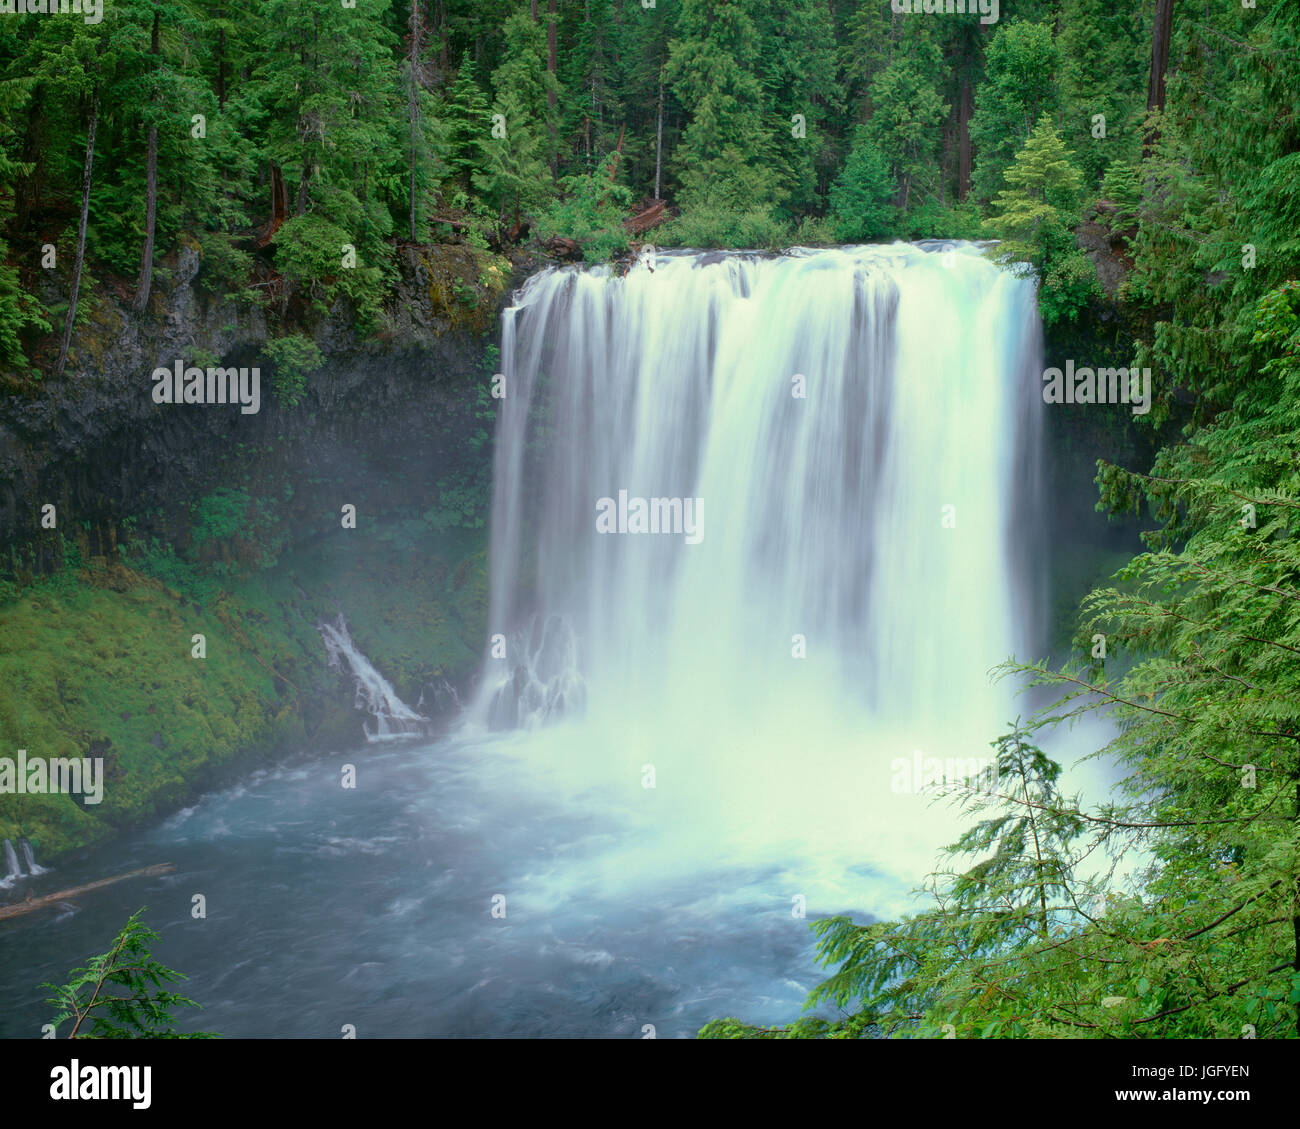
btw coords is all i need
(1020, 85)
(332, 108)
(331, 105)
(516, 176)
(904, 125)
(1103, 72)
(798, 74)
(862, 196)
(1035, 214)
(19, 310)
(724, 159)
(469, 122)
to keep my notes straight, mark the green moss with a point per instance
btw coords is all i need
(464, 284)
(99, 664)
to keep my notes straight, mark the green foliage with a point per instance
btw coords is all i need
(123, 993)
(797, 70)
(19, 310)
(718, 227)
(1122, 187)
(1019, 88)
(1068, 287)
(1221, 178)
(159, 559)
(1105, 51)
(905, 124)
(1042, 191)
(591, 211)
(462, 503)
(294, 358)
(327, 85)
(725, 156)
(310, 252)
(226, 267)
(469, 121)
(1035, 212)
(862, 197)
(326, 126)
(514, 173)
(234, 534)
(933, 220)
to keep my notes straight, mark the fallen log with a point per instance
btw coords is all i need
(562, 247)
(644, 220)
(63, 895)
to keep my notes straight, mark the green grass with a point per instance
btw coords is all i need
(97, 663)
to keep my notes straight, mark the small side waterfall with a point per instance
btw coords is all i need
(12, 872)
(29, 857)
(439, 699)
(392, 717)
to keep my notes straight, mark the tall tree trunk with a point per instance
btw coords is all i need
(659, 135)
(967, 108)
(150, 194)
(221, 59)
(150, 222)
(552, 66)
(413, 100)
(279, 200)
(440, 15)
(1161, 31)
(552, 47)
(221, 68)
(81, 232)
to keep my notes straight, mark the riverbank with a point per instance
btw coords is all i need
(98, 661)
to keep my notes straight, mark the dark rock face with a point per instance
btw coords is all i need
(1103, 238)
(96, 445)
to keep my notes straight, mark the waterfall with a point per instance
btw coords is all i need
(838, 449)
(392, 717)
(29, 857)
(439, 699)
(11, 866)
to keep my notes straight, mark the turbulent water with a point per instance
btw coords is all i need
(686, 740)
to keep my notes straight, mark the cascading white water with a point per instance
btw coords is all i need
(29, 857)
(857, 430)
(12, 871)
(375, 694)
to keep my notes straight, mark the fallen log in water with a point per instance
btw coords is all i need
(63, 895)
